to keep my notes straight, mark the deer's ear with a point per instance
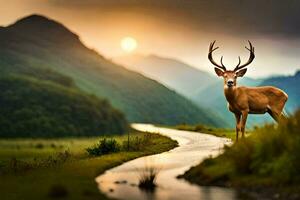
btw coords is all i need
(219, 72)
(241, 73)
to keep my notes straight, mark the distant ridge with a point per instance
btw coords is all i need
(175, 74)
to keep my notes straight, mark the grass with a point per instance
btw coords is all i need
(148, 178)
(220, 132)
(268, 158)
(70, 178)
(105, 146)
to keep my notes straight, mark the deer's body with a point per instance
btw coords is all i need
(243, 98)
(247, 100)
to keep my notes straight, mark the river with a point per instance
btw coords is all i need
(121, 182)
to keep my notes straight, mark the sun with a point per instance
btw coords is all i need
(128, 44)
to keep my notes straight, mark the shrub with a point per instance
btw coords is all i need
(105, 146)
(18, 165)
(200, 127)
(58, 191)
(39, 146)
(148, 178)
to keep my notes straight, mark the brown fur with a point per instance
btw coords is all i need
(252, 100)
(247, 100)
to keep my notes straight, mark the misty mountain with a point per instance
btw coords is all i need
(36, 42)
(290, 84)
(173, 73)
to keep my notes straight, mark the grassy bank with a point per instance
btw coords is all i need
(268, 158)
(45, 169)
(220, 132)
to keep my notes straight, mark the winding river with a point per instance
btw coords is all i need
(121, 182)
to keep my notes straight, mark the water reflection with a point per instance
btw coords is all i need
(122, 182)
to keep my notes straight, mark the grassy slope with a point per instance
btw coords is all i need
(269, 158)
(76, 174)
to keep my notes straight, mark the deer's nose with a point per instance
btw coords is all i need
(230, 83)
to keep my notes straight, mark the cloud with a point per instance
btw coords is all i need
(270, 17)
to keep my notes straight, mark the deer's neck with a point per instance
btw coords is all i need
(230, 93)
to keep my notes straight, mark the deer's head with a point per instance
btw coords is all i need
(230, 76)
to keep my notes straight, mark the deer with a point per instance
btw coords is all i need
(244, 100)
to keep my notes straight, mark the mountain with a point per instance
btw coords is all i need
(38, 42)
(50, 105)
(290, 84)
(173, 73)
(213, 97)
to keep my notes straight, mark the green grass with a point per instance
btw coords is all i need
(220, 132)
(268, 158)
(74, 175)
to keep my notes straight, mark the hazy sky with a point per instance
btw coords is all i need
(180, 28)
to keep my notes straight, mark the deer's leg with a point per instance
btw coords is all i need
(276, 116)
(244, 120)
(238, 125)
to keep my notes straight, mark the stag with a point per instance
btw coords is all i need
(247, 100)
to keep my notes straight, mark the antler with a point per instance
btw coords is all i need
(210, 51)
(251, 58)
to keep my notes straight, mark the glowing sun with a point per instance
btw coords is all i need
(128, 44)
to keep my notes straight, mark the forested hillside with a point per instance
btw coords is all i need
(50, 106)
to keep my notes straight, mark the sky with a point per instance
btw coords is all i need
(180, 29)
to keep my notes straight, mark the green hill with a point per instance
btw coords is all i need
(37, 42)
(31, 107)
